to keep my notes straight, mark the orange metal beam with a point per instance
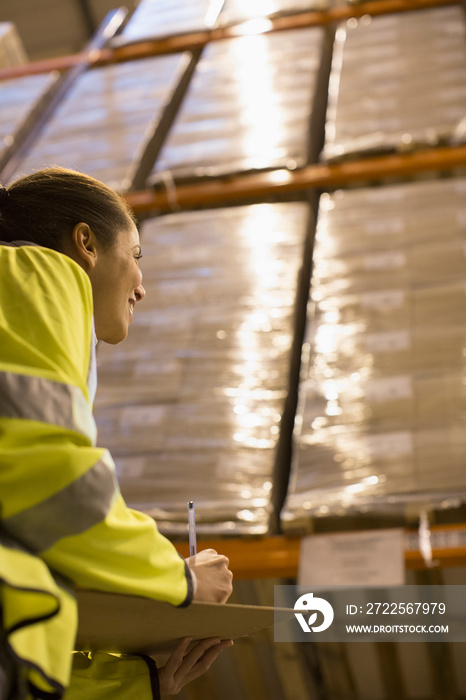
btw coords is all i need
(278, 557)
(322, 176)
(184, 42)
(60, 63)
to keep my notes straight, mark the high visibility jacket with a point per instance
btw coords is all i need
(61, 509)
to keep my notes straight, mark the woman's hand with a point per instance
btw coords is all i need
(214, 578)
(214, 585)
(183, 666)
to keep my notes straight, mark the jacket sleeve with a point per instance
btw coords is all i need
(59, 493)
(101, 676)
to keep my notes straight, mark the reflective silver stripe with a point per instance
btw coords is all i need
(46, 401)
(73, 510)
(92, 370)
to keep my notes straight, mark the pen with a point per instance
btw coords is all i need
(192, 529)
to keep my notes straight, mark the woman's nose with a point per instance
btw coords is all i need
(140, 293)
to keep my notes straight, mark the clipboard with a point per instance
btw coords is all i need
(131, 624)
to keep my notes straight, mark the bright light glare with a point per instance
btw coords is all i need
(252, 27)
(245, 515)
(256, 91)
(258, 8)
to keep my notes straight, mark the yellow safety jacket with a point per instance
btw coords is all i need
(61, 510)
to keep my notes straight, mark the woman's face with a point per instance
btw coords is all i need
(116, 285)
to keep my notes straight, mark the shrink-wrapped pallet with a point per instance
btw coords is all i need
(236, 11)
(21, 101)
(191, 405)
(162, 18)
(252, 103)
(104, 124)
(383, 384)
(397, 82)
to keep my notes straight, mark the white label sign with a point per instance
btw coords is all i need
(388, 445)
(370, 558)
(385, 261)
(393, 341)
(383, 226)
(387, 299)
(383, 194)
(389, 389)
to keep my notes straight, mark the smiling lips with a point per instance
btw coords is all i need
(132, 304)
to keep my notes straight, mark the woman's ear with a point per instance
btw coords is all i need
(84, 245)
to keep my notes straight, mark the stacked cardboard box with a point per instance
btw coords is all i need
(12, 51)
(105, 122)
(160, 18)
(397, 81)
(249, 106)
(191, 404)
(383, 386)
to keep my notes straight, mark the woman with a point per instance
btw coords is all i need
(69, 276)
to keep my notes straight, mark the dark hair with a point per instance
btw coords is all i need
(45, 206)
